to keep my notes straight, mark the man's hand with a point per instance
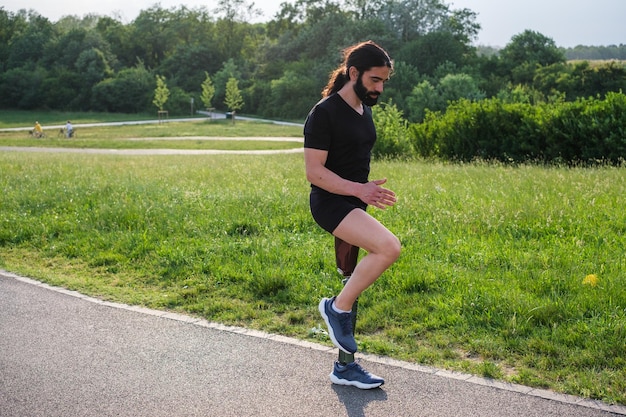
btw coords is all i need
(374, 195)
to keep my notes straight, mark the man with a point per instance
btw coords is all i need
(339, 134)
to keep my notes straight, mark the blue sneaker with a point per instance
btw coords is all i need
(353, 374)
(339, 326)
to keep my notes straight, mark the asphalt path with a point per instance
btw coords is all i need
(66, 354)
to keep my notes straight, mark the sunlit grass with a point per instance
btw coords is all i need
(516, 273)
(201, 134)
(155, 143)
(22, 118)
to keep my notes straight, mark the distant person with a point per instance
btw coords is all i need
(69, 130)
(38, 132)
(339, 134)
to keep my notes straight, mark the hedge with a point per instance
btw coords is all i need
(586, 130)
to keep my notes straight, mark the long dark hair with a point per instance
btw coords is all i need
(362, 56)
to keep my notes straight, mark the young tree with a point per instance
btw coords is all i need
(220, 79)
(208, 90)
(161, 93)
(233, 100)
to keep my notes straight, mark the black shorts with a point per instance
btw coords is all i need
(329, 210)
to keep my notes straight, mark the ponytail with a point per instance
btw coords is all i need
(338, 79)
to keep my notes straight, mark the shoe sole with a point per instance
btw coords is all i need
(340, 381)
(322, 308)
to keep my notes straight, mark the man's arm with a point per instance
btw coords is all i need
(317, 174)
(370, 193)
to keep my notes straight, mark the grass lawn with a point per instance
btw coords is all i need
(200, 134)
(515, 273)
(22, 118)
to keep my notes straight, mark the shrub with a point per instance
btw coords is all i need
(392, 132)
(130, 91)
(587, 130)
(487, 129)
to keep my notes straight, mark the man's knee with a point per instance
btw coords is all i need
(392, 247)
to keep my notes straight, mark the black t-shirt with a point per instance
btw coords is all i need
(334, 126)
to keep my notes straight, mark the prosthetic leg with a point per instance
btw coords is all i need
(346, 256)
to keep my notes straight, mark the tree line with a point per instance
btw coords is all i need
(99, 63)
(605, 52)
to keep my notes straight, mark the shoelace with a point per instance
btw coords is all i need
(345, 320)
(357, 366)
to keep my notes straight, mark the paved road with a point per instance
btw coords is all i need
(64, 354)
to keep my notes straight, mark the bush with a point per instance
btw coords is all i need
(179, 102)
(585, 131)
(588, 130)
(131, 91)
(392, 132)
(487, 129)
(20, 88)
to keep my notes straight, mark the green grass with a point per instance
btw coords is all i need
(491, 280)
(192, 143)
(172, 135)
(21, 118)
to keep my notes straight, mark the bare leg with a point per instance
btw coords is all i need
(382, 247)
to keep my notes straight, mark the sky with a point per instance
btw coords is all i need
(567, 22)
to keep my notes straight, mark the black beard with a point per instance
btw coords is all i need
(369, 98)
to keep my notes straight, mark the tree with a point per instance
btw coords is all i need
(462, 24)
(423, 98)
(237, 10)
(233, 99)
(399, 87)
(426, 97)
(27, 44)
(220, 79)
(118, 36)
(581, 79)
(533, 48)
(231, 26)
(63, 89)
(91, 67)
(150, 38)
(408, 19)
(208, 90)
(11, 27)
(453, 87)
(21, 88)
(161, 93)
(186, 65)
(291, 95)
(128, 92)
(429, 51)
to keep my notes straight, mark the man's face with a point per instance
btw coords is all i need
(369, 85)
